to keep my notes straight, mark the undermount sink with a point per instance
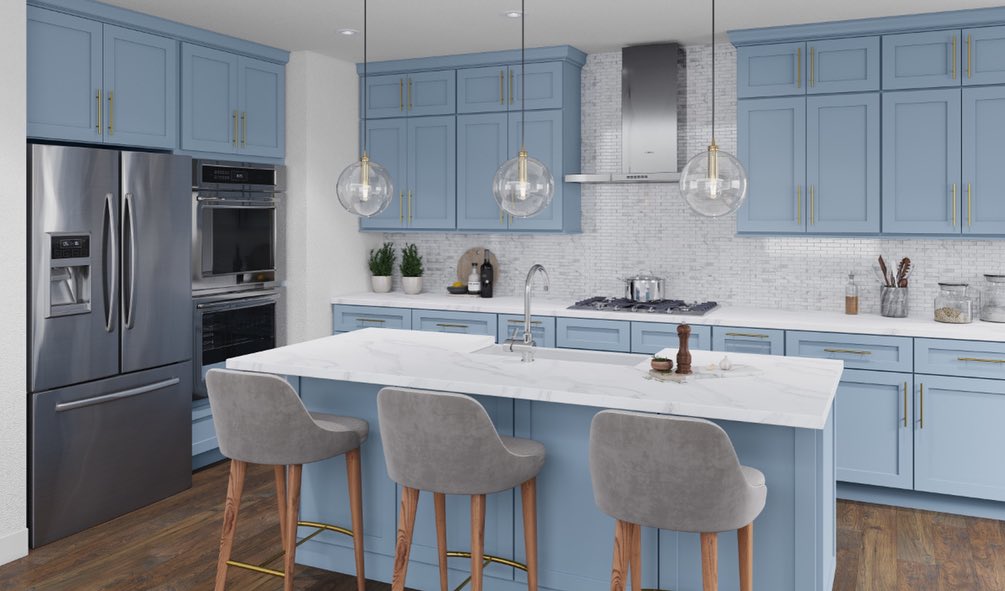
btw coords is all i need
(564, 355)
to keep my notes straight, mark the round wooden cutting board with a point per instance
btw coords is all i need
(476, 255)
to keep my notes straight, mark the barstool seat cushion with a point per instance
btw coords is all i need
(446, 443)
(260, 419)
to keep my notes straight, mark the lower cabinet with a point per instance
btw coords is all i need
(653, 337)
(541, 327)
(205, 448)
(595, 335)
(346, 318)
(874, 425)
(456, 322)
(748, 340)
(958, 438)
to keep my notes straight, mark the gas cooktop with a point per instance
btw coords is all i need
(655, 307)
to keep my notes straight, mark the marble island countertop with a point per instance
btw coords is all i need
(741, 317)
(791, 391)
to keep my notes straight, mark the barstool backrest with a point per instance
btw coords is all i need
(441, 442)
(260, 419)
(675, 473)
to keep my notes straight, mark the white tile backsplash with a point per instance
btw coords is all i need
(632, 228)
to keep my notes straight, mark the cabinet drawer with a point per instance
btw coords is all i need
(857, 351)
(346, 318)
(456, 322)
(203, 430)
(542, 327)
(651, 337)
(597, 335)
(969, 359)
(748, 340)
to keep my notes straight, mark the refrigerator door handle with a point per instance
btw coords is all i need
(128, 312)
(110, 238)
(65, 406)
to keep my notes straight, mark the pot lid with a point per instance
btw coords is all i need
(644, 277)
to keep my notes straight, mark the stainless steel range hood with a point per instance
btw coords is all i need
(649, 118)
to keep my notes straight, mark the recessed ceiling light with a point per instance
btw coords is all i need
(347, 32)
(515, 13)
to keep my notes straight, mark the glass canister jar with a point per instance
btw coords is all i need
(993, 309)
(954, 304)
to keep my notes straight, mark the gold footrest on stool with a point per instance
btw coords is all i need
(318, 528)
(488, 559)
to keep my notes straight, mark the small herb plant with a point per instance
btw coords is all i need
(660, 358)
(411, 262)
(382, 260)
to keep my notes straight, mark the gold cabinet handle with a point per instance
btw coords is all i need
(97, 101)
(401, 207)
(812, 208)
(374, 320)
(401, 94)
(799, 67)
(244, 128)
(409, 207)
(235, 129)
(514, 321)
(409, 94)
(111, 112)
(812, 59)
(511, 87)
(905, 404)
(753, 335)
(848, 351)
(954, 56)
(970, 57)
(952, 206)
(970, 208)
(921, 408)
(799, 204)
(502, 92)
(446, 325)
(979, 360)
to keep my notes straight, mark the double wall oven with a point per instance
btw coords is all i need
(237, 214)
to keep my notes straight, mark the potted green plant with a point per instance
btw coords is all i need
(381, 266)
(411, 270)
(661, 363)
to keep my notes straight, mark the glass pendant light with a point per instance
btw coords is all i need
(364, 188)
(713, 182)
(523, 186)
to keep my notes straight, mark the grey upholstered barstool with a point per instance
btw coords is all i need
(259, 419)
(674, 473)
(446, 444)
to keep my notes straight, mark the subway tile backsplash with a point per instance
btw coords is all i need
(633, 228)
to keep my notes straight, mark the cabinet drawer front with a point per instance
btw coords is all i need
(874, 428)
(346, 318)
(432, 93)
(857, 351)
(922, 60)
(984, 55)
(771, 70)
(597, 335)
(456, 322)
(651, 337)
(843, 65)
(748, 340)
(203, 431)
(542, 327)
(970, 359)
(482, 90)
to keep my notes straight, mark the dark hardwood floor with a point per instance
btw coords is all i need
(172, 546)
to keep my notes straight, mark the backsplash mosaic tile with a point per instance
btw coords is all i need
(633, 228)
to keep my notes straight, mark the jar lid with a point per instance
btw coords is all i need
(995, 277)
(644, 277)
(945, 284)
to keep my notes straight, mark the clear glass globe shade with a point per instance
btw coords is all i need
(523, 186)
(719, 193)
(364, 188)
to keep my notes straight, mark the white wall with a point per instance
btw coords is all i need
(13, 422)
(325, 252)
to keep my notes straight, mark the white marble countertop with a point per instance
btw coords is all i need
(920, 326)
(791, 391)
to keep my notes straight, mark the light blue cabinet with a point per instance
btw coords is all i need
(482, 146)
(772, 147)
(843, 65)
(922, 60)
(771, 70)
(205, 447)
(958, 439)
(544, 89)
(842, 163)
(596, 335)
(385, 96)
(756, 341)
(969, 359)
(414, 94)
(921, 162)
(652, 337)
(209, 101)
(455, 322)
(983, 148)
(346, 318)
(499, 88)
(546, 141)
(874, 426)
(262, 103)
(858, 351)
(541, 327)
(432, 180)
(984, 62)
(482, 90)
(387, 145)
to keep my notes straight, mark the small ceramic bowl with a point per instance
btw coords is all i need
(457, 290)
(661, 364)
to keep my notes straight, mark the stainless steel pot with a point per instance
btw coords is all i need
(645, 287)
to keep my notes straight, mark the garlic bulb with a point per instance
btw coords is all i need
(725, 364)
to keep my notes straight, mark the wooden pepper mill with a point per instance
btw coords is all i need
(683, 354)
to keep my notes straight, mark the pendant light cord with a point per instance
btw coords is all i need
(365, 104)
(713, 71)
(523, 60)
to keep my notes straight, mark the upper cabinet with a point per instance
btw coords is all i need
(921, 60)
(416, 94)
(984, 62)
(770, 70)
(500, 88)
(232, 104)
(825, 66)
(99, 83)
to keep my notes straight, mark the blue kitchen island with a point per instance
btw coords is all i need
(779, 419)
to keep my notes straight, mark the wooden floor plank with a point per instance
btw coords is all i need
(877, 567)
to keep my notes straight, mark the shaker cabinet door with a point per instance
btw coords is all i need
(984, 61)
(262, 92)
(771, 70)
(481, 148)
(431, 195)
(385, 97)
(482, 90)
(387, 145)
(983, 146)
(843, 65)
(209, 102)
(922, 60)
(544, 141)
(431, 93)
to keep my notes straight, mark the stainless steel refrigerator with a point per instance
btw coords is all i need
(109, 335)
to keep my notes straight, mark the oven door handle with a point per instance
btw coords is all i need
(236, 305)
(231, 204)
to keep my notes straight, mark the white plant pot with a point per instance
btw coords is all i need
(380, 283)
(411, 285)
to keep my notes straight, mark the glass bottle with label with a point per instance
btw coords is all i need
(487, 276)
(474, 280)
(851, 296)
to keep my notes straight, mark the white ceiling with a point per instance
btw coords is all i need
(419, 28)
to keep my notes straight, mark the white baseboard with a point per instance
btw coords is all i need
(13, 545)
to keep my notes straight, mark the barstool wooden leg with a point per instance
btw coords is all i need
(281, 501)
(622, 549)
(477, 540)
(292, 516)
(354, 477)
(440, 504)
(406, 524)
(528, 496)
(235, 486)
(636, 557)
(710, 561)
(745, 542)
